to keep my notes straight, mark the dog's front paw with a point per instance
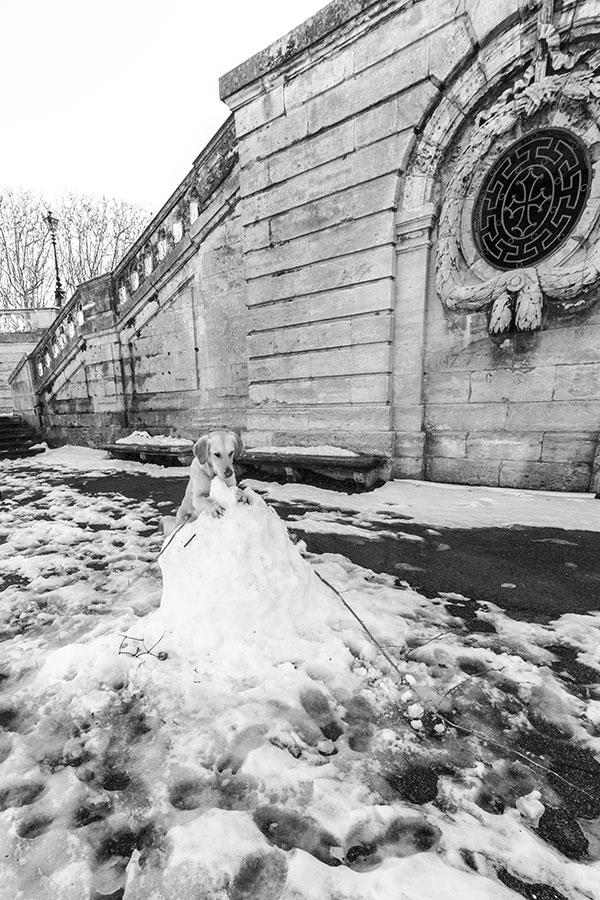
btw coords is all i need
(217, 511)
(243, 497)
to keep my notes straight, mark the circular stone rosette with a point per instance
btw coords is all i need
(520, 220)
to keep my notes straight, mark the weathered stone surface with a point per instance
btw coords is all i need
(578, 415)
(504, 446)
(467, 417)
(545, 476)
(358, 167)
(485, 18)
(312, 153)
(363, 266)
(325, 74)
(351, 203)
(344, 239)
(569, 447)
(399, 113)
(353, 360)
(463, 471)
(577, 382)
(450, 446)
(353, 300)
(392, 76)
(447, 387)
(259, 111)
(512, 384)
(277, 134)
(449, 47)
(408, 27)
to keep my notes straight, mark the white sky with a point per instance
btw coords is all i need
(118, 97)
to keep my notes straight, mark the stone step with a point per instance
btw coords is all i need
(17, 438)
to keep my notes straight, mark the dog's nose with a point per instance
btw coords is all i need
(228, 472)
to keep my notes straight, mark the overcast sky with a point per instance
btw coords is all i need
(118, 97)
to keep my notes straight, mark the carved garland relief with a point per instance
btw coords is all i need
(520, 220)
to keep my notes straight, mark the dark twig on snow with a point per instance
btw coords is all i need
(511, 751)
(369, 633)
(140, 649)
(469, 678)
(420, 647)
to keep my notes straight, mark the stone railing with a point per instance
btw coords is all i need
(20, 319)
(63, 333)
(167, 232)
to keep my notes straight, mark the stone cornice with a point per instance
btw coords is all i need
(324, 27)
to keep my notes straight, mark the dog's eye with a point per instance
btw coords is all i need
(218, 455)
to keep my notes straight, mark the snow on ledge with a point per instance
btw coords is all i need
(325, 450)
(160, 440)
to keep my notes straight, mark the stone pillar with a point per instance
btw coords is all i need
(413, 265)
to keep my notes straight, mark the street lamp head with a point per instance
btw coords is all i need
(51, 221)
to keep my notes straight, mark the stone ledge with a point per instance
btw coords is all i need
(325, 22)
(364, 470)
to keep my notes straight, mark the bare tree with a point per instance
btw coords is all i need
(24, 251)
(92, 234)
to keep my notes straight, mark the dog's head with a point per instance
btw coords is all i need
(217, 450)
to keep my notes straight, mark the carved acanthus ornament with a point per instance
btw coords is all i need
(566, 278)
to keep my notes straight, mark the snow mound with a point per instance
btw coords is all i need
(237, 591)
(161, 440)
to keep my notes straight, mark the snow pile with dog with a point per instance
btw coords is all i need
(250, 737)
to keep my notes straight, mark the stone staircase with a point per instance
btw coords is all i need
(17, 438)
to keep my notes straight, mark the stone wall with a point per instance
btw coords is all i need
(315, 280)
(344, 128)
(20, 331)
(160, 343)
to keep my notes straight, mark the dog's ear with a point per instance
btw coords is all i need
(201, 449)
(239, 446)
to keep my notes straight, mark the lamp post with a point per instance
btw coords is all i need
(52, 222)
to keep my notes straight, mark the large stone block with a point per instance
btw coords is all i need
(521, 446)
(371, 86)
(447, 387)
(358, 167)
(463, 471)
(320, 77)
(449, 47)
(398, 114)
(311, 153)
(350, 237)
(354, 300)
(556, 415)
(351, 417)
(513, 384)
(570, 447)
(367, 265)
(467, 417)
(269, 419)
(259, 111)
(313, 391)
(487, 18)
(369, 388)
(277, 134)
(545, 476)
(452, 446)
(344, 206)
(577, 382)
(320, 336)
(409, 444)
(408, 26)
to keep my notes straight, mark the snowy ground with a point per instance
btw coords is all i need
(245, 738)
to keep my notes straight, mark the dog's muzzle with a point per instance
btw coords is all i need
(228, 473)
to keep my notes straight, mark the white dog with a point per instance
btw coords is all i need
(213, 458)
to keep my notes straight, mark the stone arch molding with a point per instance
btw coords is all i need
(569, 278)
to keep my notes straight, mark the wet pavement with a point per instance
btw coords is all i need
(534, 574)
